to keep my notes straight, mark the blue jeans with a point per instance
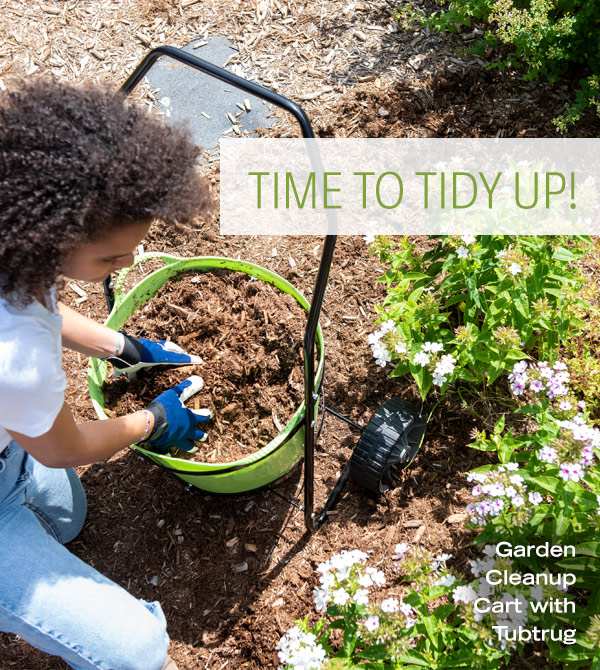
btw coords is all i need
(48, 596)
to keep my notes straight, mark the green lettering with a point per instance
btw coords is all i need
(455, 204)
(488, 189)
(364, 186)
(258, 186)
(289, 181)
(326, 190)
(426, 185)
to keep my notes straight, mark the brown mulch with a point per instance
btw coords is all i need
(232, 574)
(249, 335)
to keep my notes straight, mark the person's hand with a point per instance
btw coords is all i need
(139, 353)
(174, 424)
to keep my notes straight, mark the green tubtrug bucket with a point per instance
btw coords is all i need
(256, 470)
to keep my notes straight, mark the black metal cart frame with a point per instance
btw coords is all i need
(311, 520)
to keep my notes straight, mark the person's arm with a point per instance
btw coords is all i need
(68, 444)
(126, 353)
(86, 336)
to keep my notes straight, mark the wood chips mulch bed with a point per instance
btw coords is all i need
(233, 574)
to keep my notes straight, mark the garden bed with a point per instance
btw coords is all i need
(233, 574)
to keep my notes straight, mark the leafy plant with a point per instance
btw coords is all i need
(547, 490)
(413, 633)
(548, 37)
(469, 308)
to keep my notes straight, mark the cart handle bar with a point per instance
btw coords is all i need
(310, 398)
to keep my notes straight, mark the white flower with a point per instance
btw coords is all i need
(490, 550)
(535, 498)
(434, 347)
(390, 605)
(548, 454)
(439, 380)
(340, 597)
(369, 238)
(462, 252)
(365, 581)
(446, 580)
(400, 348)
(440, 560)
(377, 576)
(445, 365)
(321, 599)
(465, 594)
(421, 358)
(519, 367)
(518, 500)
(400, 550)
(468, 239)
(361, 597)
(537, 592)
(372, 623)
(515, 269)
(300, 650)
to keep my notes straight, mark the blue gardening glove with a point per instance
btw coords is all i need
(174, 424)
(139, 353)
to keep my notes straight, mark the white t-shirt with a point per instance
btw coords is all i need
(32, 380)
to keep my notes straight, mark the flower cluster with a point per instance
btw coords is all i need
(441, 365)
(344, 581)
(384, 338)
(513, 262)
(300, 650)
(574, 449)
(463, 246)
(538, 377)
(502, 489)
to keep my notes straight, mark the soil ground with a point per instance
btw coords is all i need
(234, 573)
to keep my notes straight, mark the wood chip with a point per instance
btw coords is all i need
(80, 292)
(456, 518)
(50, 10)
(143, 39)
(189, 3)
(419, 533)
(315, 94)
(413, 523)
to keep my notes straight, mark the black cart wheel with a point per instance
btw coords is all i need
(387, 443)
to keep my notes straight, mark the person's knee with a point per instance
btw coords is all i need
(145, 648)
(79, 510)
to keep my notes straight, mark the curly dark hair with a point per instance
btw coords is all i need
(75, 163)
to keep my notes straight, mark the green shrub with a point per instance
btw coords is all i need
(470, 307)
(548, 37)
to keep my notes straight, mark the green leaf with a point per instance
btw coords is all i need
(415, 275)
(430, 623)
(564, 254)
(413, 657)
(375, 652)
(400, 370)
(588, 549)
(499, 425)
